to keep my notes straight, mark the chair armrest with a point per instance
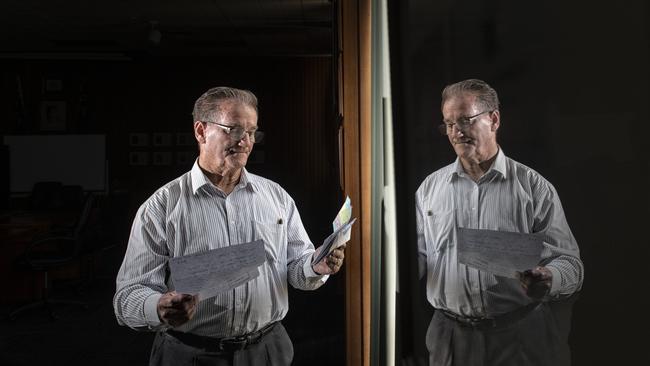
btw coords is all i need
(32, 249)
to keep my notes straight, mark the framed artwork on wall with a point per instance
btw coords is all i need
(53, 115)
(138, 139)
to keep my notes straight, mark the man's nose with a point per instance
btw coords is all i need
(455, 128)
(245, 140)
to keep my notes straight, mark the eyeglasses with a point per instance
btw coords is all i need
(461, 124)
(237, 133)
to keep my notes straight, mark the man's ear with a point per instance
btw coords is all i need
(199, 132)
(495, 116)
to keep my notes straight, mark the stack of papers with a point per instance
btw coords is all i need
(344, 215)
(501, 253)
(341, 235)
(218, 270)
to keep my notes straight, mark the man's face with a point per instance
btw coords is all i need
(476, 142)
(219, 152)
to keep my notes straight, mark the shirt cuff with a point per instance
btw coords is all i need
(556, 281)
(310, 273)
(151, 311)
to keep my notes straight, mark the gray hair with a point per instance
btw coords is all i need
(484, 93)
(208, 106)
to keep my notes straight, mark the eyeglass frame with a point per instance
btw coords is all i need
(254, 139)
(467, 122)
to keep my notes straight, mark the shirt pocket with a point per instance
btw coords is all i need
(440, 230)
(274, 236)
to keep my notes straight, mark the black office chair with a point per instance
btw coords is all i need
(46, 195)
(54, 251)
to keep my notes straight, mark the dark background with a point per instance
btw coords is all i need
(573, 82)
(130, 68)
(572, 78)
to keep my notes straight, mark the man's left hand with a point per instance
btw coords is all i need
(536, 282)
(332, 263)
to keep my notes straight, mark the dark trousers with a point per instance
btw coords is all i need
(537, 340)
(274, 349)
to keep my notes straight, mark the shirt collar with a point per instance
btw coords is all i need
(498, 167)
(199, 179)
(248, 180)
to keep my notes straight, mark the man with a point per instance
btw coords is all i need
(481, 318)
(218, 204)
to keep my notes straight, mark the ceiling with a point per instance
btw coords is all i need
(167, 28)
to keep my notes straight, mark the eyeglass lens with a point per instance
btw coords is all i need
(237, 133)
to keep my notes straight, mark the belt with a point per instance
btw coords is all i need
(482, 323)
(226, 344)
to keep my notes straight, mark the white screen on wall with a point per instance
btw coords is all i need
(69, 159)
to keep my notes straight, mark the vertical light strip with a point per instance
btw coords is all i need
(390, 229)
(384, 251)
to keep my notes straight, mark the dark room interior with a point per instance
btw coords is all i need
(99, 96)
(96, 102)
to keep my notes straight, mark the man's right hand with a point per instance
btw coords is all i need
(176, 309)
(536, 282)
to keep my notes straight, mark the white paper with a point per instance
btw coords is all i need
(217, 270)
(344, 215)
(334, 240)
(498, 252)
(228, 282)
(341, 231)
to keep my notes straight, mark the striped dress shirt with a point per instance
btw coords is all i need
(190, 215)
(509, 197)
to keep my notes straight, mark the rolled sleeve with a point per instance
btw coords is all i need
(151, 310)
(556, 281)
(561, 254)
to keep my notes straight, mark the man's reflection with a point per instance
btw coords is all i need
(480, 318)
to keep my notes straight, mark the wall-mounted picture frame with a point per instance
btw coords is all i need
(52, 85)
(138, 158)
(162, 139)
(185, 139)
(162, 158)
(138, 139)
(53, 115)
(185, 157)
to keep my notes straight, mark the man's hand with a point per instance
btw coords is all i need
(536, 282)
(332, 263)
(176, 309)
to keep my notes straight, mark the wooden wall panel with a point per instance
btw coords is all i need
(355, 106)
